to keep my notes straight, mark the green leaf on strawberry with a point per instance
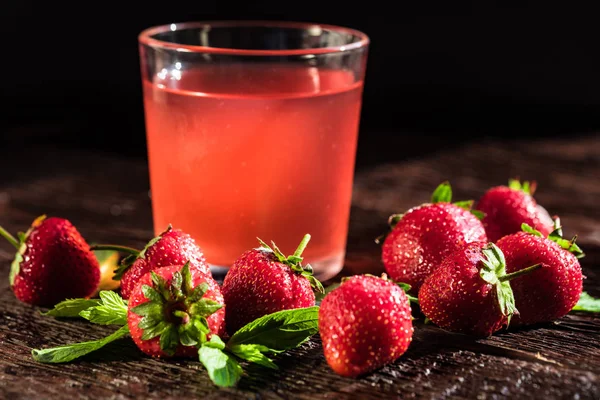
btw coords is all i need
(442, 194)
(526, 228)
(556, 237)
(468, 205)
(526, 186)
(406, 287)
(20, 245)
(295, 261)
(494, 267)
(192, 325)
(494, 272)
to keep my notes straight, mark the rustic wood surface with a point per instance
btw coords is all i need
(106, 197)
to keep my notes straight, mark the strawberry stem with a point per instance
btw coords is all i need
(115, 247)
(516, 274)
(302, 245)
(11, 239)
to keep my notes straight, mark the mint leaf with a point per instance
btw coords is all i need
(279, 331)
(112, 300)
(254, 353)
(112, 311)
(442, 194)
(216, 342)
(222, 369)
(71, 308)
(70, 352)
(587, 303)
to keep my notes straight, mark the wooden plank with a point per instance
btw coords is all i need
(107, 198)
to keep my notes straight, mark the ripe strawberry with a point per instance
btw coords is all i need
(507, 207)
(263, 281)
(53, 263)
(365, 324)
(553, 290)
(171, 247)
(469, 293)
(173, 309)
(422, 237)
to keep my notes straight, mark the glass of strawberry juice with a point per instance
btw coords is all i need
(251, 133)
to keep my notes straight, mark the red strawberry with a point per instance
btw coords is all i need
(507, 207)
(53, 263)
(172, 247)
(553, 290)
(469, 293)
(422, 237)
(263, 281)
(173, 309)
(365, 324)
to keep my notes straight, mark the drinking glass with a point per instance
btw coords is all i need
(251, 133)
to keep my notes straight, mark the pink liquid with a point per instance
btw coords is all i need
(244, 151)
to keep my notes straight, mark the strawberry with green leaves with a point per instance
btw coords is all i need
(263, 280)
(507, 207)
(172, 317)
(53, 262)
(364, 324)
(552, 291)
(171, 247)
(422, 237)
(470, 292)
(173, 309)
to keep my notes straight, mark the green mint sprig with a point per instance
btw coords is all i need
(109, 309)
(255, 342)
(70, 352)
(587, 303)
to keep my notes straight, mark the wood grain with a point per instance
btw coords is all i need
(107, 198)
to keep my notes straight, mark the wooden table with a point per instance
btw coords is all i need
(106, 196)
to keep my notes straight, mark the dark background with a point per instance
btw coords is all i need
(438, 74)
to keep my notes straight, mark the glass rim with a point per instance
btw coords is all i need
(145, 37)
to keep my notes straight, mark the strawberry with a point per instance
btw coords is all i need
(263, 281)
(364, 324)
(424, 235)
(507, 207)
(470, 292)
(171, 247)
(553, 290)
(53, 263)
(173, 309)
